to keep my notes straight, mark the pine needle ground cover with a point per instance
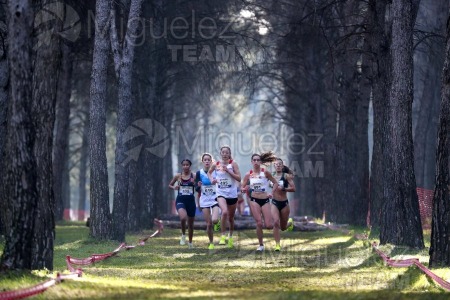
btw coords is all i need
(311, 265)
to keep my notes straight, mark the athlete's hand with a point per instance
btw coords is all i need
(214, 181)
(177, 187)
(199, 183)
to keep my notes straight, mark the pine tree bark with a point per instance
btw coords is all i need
(379, 45)
(124, 117)
(401, 223)
(100, 216)
(20, 178)
(45, 81)
(429, 60)
(351, 153)
(4, 85)
(82, 177)
(62, 121)
(440, 227)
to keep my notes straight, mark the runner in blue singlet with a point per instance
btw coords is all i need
(208, 198)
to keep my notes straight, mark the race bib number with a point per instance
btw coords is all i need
(224, 183)
(257, 187)
(186, 190)
(208, 190)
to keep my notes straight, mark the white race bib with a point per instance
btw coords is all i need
(186, 190)
(208, 190)
(257, 185)
(224, 183)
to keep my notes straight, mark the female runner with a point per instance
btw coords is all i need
(227, 180)
(280, 207)
(185, 202)
(208, 199)
(259, 200)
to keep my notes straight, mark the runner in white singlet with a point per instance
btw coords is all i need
(260, 196)
(227, 180)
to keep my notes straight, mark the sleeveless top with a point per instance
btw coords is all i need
(283, 181)
(226, 185)
(186, 187)
(259, 183)
(207, 190)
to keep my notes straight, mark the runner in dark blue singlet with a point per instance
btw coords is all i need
(185, 202)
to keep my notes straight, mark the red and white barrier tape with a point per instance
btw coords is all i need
(74, 273)
(37, 289)
(98, 257)
(158, 232)
(410, 262)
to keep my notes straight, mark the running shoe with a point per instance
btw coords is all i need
(260, 248)
(222, 240)
(291, 225)
(217, 226)
(183, 240)
(277, 248)
(190, 246)
(211, 246)
(230, 242)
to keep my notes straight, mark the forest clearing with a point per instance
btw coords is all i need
(327, 264)
(251, 113)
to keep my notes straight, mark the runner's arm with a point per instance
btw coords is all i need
(291, 184)
(172, 182)
(211, 170)
(272, 179)
(236, 175)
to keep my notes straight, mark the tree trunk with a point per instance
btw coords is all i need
(351, 156)
(124, 116)
(134, 205)
(84, 156)
(401, 223)
(161, 112)
(65, 190)
(351, 163)
(379, 44)
(440, 227)
(61, 141)
(21, 176)
(4, 85)
(423, 124)
(100, 212)
(429, 60)
(327, 190)
(430, 149)
(45, 81)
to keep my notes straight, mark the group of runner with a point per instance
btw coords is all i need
(219, 184)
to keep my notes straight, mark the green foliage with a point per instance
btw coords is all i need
(318, 265)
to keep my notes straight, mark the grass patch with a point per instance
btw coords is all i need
(317, 265)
